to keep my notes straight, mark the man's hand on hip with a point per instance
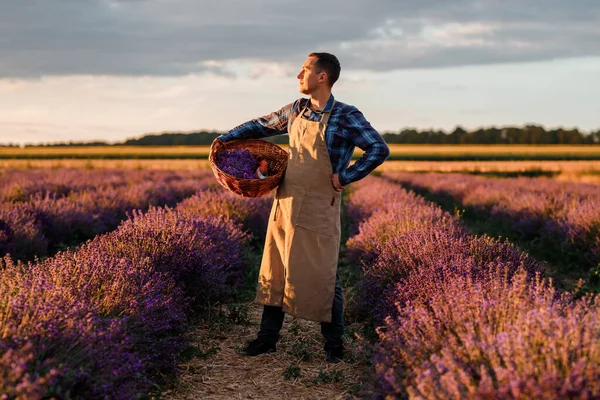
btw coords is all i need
(335, 181)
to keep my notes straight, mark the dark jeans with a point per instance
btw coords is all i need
(272, 321)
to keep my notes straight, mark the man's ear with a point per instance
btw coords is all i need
(322, 77)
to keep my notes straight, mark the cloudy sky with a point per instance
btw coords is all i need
(111, 70)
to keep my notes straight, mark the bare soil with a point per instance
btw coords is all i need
(297, 370)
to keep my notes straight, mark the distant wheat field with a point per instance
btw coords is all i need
(492, 152)
(106, 152)
(572, 163)
(398, 152)
(576, 170)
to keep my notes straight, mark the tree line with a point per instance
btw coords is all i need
(529, 134)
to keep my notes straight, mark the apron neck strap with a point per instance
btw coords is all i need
(326, 115)
(324, 118)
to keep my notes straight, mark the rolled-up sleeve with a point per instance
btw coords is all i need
(271, 124)
(356, 128)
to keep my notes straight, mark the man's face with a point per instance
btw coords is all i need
(309, 78)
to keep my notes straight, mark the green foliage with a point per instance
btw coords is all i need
(292, 372)
(592, 285)
(294, 328)
(329, 376)
(302, 351)
(174, 139)
(212, 350)
(530, 173)
(238, 313)
(529, 134)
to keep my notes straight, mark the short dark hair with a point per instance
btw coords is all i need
(330, 64)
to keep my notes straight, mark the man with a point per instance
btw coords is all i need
(298, 272)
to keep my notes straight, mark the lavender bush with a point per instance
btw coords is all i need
(84, 204)
(204, 253)
(21, 234)
(21, 376)
(363, 204)
(563, 213)
(409, 234)
(59, 341)
(251, 213)
(466, 316)
(20, 185)
(495, 338)
(102, 321)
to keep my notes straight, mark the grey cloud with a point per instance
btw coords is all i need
(174, 37)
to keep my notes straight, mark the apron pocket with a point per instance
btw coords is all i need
(289, 201)
(318, 214)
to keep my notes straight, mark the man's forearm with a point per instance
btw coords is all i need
(269, 125)
(249, 130)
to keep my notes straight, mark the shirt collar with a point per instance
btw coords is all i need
(328, 106)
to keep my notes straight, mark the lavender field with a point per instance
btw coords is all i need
(43, 210)
(461, 316)
(107, 319)
(104, 272)
(561, 214)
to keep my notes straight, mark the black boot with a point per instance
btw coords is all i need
(258, 346)
(334, 354)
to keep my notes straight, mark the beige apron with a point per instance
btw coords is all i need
(300, 258)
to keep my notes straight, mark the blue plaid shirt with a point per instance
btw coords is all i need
(346, 128)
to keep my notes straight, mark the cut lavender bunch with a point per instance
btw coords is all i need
(238, 163)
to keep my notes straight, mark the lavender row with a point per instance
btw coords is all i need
(464, 316)
(564, 213)
(401, 232)
(18, 185)
(108, 319)
(78, 205)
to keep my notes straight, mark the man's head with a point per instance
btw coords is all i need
(320, 70)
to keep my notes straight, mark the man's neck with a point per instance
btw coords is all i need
(318, 101)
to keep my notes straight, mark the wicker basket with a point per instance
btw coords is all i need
(275, 155)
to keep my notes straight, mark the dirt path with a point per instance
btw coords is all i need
(297, 370)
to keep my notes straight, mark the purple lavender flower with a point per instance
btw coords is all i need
(101, 321)
(252, 213)
(238, 163)
(562, 213)
(463, 316)
(42, 211)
